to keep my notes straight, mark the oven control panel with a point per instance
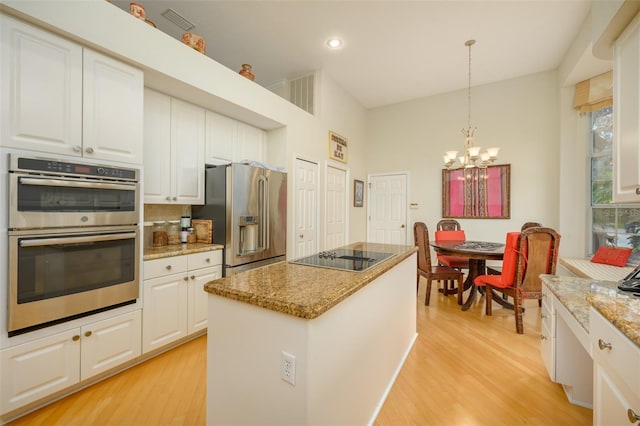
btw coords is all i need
(75, 169)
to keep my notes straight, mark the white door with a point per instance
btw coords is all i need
(336, 217)
(306, 208)
(388, 209)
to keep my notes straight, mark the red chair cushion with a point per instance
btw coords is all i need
(450, 236)
(508, 276)
(453, 261)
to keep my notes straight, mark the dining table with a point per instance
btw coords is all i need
(478, 252)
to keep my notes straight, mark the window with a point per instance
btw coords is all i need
(613, 225)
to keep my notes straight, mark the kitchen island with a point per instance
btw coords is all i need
(296, 344)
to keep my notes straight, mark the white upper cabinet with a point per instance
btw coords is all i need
(41, 89)
(56, 101)
(220, 138)
(229, 140)
(626, 104)
(112, 109)
(173, 150)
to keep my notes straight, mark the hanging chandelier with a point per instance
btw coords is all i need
(472, 156)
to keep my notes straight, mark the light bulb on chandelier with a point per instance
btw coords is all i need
(472, 156)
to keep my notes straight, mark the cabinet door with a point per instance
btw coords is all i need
(157, 147)
(37, 369)
(198, 300)
(112, 109)
(610, 405)
(109, 343)
(187, 152)
(164, 317)
(221, 135)
(626, 131)
(252, 144)
(41, 86)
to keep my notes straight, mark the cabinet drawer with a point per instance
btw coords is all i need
(165, 266)
(205, 259)
(622, 359)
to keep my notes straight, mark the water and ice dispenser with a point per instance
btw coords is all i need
(249, 237)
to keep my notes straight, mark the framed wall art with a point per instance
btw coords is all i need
(358, 193)
(477, 193)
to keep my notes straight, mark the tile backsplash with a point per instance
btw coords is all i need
(153, 212)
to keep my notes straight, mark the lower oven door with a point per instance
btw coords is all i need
(59, 276)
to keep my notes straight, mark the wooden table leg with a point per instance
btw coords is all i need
(476, 267)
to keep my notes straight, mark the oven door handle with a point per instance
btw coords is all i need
(75, 240)
(75, 184)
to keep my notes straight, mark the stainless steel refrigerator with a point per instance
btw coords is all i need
(248, 206)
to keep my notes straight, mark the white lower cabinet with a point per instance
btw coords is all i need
(175, 303)
(37, 369)
(616, 374)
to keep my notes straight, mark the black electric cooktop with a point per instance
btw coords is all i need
(344, 259)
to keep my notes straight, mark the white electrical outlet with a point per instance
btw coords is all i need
(288, 368)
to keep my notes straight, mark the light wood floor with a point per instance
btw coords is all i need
(465, 369)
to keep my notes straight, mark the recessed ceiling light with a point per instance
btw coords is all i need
(334, 43)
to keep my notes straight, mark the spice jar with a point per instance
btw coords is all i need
(191, 236)
(185, 222)
(173, 232)
(159, 234)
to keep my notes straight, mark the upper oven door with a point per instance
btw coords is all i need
(38, 201)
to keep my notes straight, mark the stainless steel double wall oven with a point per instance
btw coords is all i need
(73, 240)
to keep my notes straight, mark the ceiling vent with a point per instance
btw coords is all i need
(178, 19)
(302, 92)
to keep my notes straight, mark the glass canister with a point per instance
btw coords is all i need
(148, 234)
(191, 235)
(173, 232)
(159, 234)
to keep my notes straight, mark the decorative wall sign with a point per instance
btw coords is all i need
(337, 147)
(480, 193)
(358, 193)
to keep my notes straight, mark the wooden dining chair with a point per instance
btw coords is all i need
(454, 262)
(497, 270)
(448, 225)
(425, 269)
(527, 255)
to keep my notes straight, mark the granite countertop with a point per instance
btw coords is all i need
(578, 294)
(178, 250)
(304, 291)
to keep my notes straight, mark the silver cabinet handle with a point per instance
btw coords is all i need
(175, 198)
(89, 150)
(603, 345)
(168, 198)
(633, 417)
(76, 148)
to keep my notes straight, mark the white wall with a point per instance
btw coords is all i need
(520, 116)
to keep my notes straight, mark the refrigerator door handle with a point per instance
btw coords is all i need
(262, 212)
(266, 207)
